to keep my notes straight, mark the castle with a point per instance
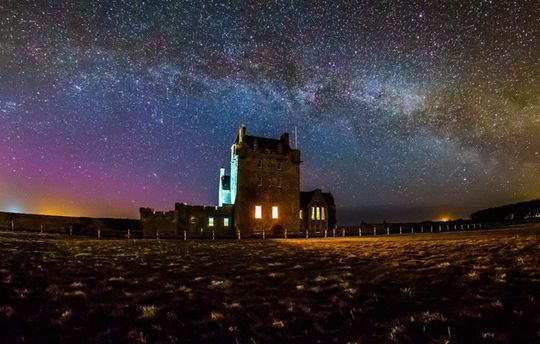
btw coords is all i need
(261, 196)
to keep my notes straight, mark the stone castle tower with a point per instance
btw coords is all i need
(265, 185)
(261, 195)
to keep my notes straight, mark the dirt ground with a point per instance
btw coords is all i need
(423, 288)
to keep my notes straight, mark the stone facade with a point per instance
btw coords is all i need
(195, 221)
(268, 185)
(317, 212)
(261, 195)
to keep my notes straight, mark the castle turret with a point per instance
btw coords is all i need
(224, 192)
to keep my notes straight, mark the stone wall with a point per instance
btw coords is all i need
(195, 221)
(154, 223)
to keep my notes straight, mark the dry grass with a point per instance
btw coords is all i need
(429, 288)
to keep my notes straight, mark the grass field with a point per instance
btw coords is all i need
(427, 288)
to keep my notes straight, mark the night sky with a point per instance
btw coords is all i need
(405, 110)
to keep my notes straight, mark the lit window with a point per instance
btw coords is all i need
(274, 212)
(259, 180)
(322, 213)
(301, 214)
(225, 222)
(210, 222)
(258, 212)
(279, 165)
(260, 163)
(193, 220)
(318, 210)
(313, 213)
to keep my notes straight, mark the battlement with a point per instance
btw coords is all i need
(151, 213)
(245, 144)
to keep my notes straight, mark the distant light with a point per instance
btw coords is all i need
(14, 208)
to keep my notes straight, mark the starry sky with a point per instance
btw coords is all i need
(405, 110)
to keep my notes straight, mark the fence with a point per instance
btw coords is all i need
(363, 230)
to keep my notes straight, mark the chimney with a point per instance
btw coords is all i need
(241, 133)
(285, 139)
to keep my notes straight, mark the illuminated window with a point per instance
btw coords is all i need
(259, 180)
(258, 212)
(318, 212)
(313, 213)
(274, 212)
(210, 222)
(301, 214)
(279, 165)
(260, 163)
(193, 220)
(225, 222)
(323, 217)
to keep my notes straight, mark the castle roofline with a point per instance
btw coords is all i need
(307, 196)
(262, 142)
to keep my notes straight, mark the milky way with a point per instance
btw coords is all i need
(404, 110)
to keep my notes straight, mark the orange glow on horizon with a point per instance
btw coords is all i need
(59, 210)
(444, 219)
